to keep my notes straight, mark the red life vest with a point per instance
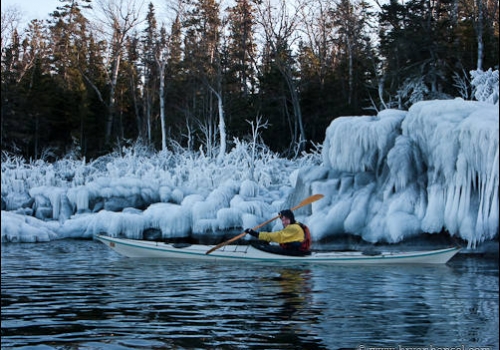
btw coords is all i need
(304, 245)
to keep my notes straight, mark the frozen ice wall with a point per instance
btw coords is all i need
(400, 174)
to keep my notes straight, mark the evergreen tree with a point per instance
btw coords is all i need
(23, 109)
(151, 73)
(241, 47)
(202, 64)
(66, 84)
(240, 80)
(414, 42)
(71, 43)
(350, 20)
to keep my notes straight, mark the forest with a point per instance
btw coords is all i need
(100, 75)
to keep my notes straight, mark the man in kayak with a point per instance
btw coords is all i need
(294, 239)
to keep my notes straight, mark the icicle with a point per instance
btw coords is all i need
(228, 218)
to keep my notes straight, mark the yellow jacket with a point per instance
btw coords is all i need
(291, 233)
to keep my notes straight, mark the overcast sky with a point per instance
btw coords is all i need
(40, 9)
(32, 9)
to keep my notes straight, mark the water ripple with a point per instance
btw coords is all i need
(80, 295)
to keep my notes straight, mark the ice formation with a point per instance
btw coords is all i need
(385, 178)
(433, 168)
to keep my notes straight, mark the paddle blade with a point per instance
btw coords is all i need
(308, 200)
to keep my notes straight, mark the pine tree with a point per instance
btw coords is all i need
(151, 73)
(71, 58)
(202, 63)
(241, 47)
(239, 62)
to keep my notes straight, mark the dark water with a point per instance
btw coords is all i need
(80, 295)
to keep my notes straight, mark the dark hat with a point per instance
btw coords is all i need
(289, 214)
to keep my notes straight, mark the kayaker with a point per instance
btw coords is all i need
(294, 238)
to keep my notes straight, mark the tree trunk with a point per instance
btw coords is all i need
(112, 99)
(222, 125)
(161, 66)
(479, 32)
(294, 96)
(222, 130)
(349, 48)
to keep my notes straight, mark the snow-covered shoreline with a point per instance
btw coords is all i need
(386, 178)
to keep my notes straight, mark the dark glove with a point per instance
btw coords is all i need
(252, 232)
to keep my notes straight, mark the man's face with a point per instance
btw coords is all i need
(285, 221)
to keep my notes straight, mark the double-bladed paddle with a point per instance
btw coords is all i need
(305, 202)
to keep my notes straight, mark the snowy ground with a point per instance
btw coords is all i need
(386, 178)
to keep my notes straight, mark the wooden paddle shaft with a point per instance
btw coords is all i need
(305, 202)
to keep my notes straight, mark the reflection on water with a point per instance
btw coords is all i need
(81, 295)
(284, 307)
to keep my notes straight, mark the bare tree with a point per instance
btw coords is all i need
(10, 22)
(462, 84)
(255, 140)
(161, 61)
(118, 19)
(222, 123)
(279, 22)
(318, 35)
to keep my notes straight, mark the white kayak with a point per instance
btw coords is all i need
(149, 249)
